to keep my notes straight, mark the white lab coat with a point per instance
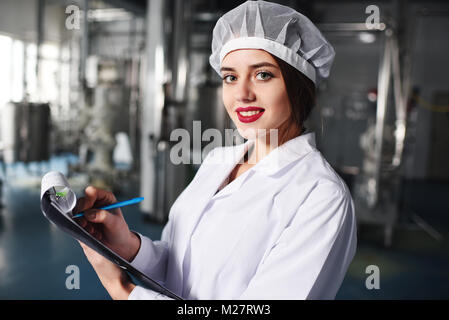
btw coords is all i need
(285, 229)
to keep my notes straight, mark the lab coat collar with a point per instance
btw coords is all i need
(286, 153)
(232, 157)
(269, 165)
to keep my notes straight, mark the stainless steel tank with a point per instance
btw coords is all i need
(26, 132)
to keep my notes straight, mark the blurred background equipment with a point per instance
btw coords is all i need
(25, 132)
(378, 119)
(370, 138)
(106, 115)
(95, 88)
(164, 104)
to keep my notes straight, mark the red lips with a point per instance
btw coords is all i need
(251, 118)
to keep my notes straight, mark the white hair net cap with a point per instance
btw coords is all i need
(277, 29)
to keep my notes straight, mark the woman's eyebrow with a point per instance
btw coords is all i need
(262, 64)
(253, 66)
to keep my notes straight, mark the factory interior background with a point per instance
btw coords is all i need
(94, 88)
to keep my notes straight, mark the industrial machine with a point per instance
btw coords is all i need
(26, 132)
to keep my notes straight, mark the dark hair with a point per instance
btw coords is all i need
(300, 91)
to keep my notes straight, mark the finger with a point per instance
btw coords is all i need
(94, 197)
(87, 251)
(81, 221)
(98, 235)
(100, 216)
(100, 196)
(89, 228)
(81, 244)
(82, 204)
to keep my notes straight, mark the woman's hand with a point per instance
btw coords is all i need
(116, 281)
(109, 228)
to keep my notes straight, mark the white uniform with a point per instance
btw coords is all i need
(285, 229)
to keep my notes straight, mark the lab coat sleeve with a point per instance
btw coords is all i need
(140, 293)
(151, 259)
(311, 257)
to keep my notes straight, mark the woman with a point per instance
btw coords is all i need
(258, 221)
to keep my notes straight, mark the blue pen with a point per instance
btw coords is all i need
(114, 206)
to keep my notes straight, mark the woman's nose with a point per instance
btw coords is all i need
(244, 91)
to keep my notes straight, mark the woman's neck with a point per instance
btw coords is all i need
(263, 145)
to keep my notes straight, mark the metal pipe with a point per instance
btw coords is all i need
(84, 44)
(153, 101)
(382, 100)
(400, 105)
(351, 27)
(39, 40)
(180, 49)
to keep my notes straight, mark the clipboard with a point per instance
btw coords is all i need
(57, 203)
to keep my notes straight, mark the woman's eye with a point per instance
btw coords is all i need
(264, 76)
(229, 78)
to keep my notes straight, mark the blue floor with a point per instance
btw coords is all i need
(34, 254)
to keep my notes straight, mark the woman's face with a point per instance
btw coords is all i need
(254, 92)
